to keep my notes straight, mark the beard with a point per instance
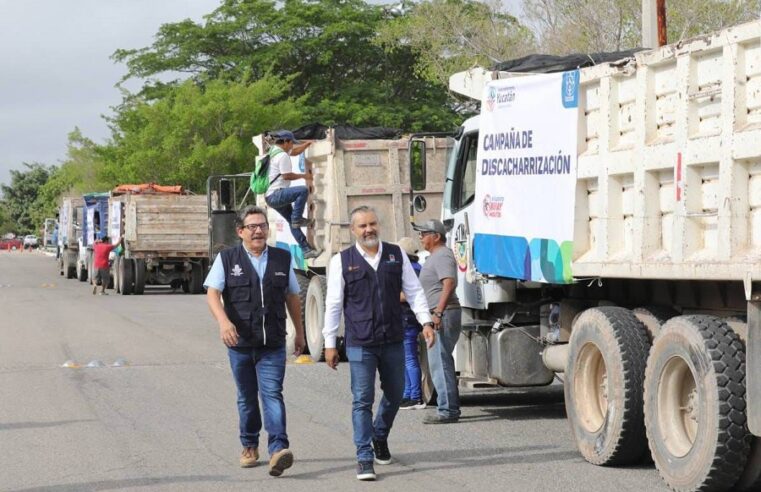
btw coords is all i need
(369, 241)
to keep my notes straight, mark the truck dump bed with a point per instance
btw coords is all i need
(350, 173)
(669, 169)
(165, 225)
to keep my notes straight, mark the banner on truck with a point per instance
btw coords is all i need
(526, 177)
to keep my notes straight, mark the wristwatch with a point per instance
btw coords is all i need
(438, 314)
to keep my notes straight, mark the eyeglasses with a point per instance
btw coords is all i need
(253, 227)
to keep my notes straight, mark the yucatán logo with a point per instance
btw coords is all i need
(570, 89)
(237, 271)
(499, 97)
(493, 206)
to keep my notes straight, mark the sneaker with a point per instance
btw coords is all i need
(382, 454)
(302, 223)
(412, 405)
(249, 457)
(311, 253)
(280, 461)
(439, 419)
(365, 471)
(104, 293)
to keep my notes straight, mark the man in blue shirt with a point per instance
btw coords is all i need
(256, 284)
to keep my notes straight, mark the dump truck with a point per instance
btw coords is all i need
(348, 172)
(94, 227)
(165, 231)
(607, 226)
(69, 234)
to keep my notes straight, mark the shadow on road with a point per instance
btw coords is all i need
(126, 483)
(40, 425)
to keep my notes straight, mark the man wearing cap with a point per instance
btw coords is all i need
(365, 282)
(439, 280)
(289, 201)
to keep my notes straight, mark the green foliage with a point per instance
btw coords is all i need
(448, 36)
(195, 131)
(326, 49)
(19, 196)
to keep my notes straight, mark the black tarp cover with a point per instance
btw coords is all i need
(553, 64)
(318, 131)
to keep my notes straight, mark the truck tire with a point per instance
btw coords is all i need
(427, 389)
(196, 279)
(90, 270)
(695, 404)
(603, 390)
(290, 331)
(115, 273)
(81, 272)
(69, 264)
(654, 317)
(140, 274)
(126, 276)
(315, 317)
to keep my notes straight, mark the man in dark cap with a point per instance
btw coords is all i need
(289, 201)
(439, 280)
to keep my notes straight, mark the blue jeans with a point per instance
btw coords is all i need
(259, 372)
(411, 364)
(290, 203)
(388, 360)
(441, 364)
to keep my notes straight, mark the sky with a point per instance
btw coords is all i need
(56, 73)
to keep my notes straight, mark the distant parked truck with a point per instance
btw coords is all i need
(166, 239)
(50, 233)
(69, 232)
(94, 227)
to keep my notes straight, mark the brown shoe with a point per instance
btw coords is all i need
(248, 457)
(280, 461)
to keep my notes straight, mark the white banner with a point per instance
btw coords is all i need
(526, 177)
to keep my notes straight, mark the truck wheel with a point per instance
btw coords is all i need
(196, 279)
(69, 264)
(126, 276)
(140, 274)
(90, 269)
(290, 331)
(654, 317)
(115, 273)
(427, 389)
(81, 272)
(603, 390)
(695, 403)
(315, 317)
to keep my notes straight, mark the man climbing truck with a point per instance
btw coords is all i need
(607, 226)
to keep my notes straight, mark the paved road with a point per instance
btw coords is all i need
(168, 421)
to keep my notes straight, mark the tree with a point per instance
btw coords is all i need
(325, 49)
(18, 197)
(195, 131)
(79, 173)
(448, 36)
(588, 26)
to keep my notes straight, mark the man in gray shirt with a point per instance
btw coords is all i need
(439, 280)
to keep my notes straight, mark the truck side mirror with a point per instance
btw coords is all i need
(417, 165)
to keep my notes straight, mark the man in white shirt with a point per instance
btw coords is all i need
(289, 201)
(364, 282)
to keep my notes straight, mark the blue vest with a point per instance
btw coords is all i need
(256, 306)
(372, 311)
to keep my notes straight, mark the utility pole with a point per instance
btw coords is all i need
(654, 23)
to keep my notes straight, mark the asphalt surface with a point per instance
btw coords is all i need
(167, 420)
